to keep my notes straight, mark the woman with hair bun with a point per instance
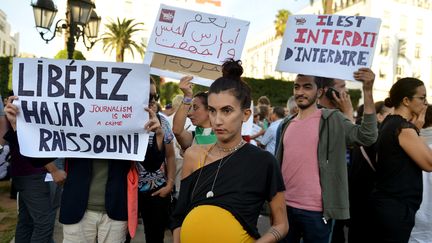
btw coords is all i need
(402, 155)
(225, 184)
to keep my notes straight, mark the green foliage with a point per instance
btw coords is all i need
(278, 91)
(5, 75)
(119, 37)
(280, 21)
(63, 54)
(355, 95)
(168, 91)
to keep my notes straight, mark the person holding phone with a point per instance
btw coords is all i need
(335, 96)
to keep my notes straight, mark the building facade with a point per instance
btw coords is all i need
(9, 44)
(403, 48)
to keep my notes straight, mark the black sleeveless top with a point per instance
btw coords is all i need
(398, 176)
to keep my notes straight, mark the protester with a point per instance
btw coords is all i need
(335, 95)
(94, 200)
(422, 231)
(263, 122)
(156, 177)
(37, 206)
(225, 184)
(402, 155)
(292, 106)
(362, 179)
(269, 138)
(263, 101)
(176, 102)
(194, 107)
(311, 152)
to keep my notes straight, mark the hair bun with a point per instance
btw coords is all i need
(388, 102)
(232, 69)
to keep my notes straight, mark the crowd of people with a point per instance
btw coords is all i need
(318, 167)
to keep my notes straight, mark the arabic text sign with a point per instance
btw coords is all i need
(81, 109)
(328, 45)
(186, 66)
(198, 36)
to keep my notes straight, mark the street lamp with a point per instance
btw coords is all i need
(81, 20)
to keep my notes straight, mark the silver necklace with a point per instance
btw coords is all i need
(222, 162)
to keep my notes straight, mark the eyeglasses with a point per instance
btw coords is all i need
(423, 98)
(153, 98)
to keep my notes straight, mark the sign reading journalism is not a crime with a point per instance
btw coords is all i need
(81, 109)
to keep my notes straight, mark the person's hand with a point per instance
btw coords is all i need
(163, 192)
(153, 124)
(419, 120)
(343, 102)
(186, 86)
(59, 177)
(366, 76)
(11, 111)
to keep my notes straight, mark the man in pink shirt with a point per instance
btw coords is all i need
(312, 155)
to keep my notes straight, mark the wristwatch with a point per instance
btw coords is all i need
(187, 101)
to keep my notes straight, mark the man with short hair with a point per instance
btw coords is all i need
(312, 155)
(335, 95)
(269, 138)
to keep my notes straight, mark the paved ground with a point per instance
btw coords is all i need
(263, 225)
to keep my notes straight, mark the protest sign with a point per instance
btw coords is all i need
(328, 45)
(81, 109)
(199, 39)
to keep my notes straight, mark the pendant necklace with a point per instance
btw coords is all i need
(222, 162)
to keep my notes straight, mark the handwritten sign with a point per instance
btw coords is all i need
(81, 109)
(186, 66)
(328, 45)
(201, 39)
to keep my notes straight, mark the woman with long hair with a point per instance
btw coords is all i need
(225, 184)
(402, 155)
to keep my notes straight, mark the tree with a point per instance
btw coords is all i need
(119, 37)
(280, 21)
(77, 55)
(327, 6)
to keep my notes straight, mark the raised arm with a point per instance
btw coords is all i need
(367, 133)
(367, 77)
(184, 137)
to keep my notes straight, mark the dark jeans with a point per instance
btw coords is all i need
(37, 210)
(307, 225)
(155, 214)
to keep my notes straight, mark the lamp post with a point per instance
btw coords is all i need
(81, 20)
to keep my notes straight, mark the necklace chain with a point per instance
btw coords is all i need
(221, 163)
(232, 149)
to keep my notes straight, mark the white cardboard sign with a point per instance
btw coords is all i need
(81, 109)
(330, 46)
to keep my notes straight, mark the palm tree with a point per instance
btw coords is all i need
(327, 6)
(119, 37)
(280, 21)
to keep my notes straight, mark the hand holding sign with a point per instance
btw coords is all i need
(11, 111)
(185, 86)
(366, 76)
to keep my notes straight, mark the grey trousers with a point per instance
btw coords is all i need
(38, 201)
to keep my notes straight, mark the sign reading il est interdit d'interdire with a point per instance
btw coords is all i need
(331, 46)
(81, 109)
(186, 42)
